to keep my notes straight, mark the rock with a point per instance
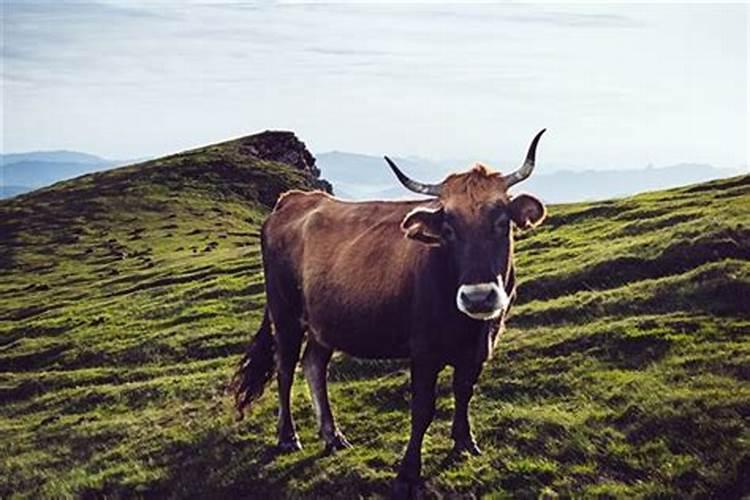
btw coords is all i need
(284, 147)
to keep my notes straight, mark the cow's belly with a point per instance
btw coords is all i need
(363, 343)
(374, 331)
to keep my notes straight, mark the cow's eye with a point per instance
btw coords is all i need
(448, 233)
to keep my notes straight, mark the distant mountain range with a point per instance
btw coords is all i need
(22, 172)
(359, 177)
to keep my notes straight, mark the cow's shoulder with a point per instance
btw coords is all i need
(297, 199)
(287, 223)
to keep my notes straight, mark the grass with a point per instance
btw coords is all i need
(128, 296)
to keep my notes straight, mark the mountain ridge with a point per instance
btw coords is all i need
(52, 155)
(361, 176)
(366, 177)
(23, 172)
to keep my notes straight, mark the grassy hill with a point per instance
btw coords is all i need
(128, 296)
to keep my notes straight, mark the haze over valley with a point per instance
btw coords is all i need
(360, 177)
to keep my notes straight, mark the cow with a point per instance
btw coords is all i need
(429, 280)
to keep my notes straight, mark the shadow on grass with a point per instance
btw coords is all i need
(345, 368)
(218, 466)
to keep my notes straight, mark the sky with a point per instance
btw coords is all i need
(616, 85)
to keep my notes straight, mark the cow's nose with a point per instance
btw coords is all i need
(478, 296)
(481, 300)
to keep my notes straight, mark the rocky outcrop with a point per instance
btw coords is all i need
(284, 147)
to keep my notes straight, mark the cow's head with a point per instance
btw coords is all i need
(473, 219)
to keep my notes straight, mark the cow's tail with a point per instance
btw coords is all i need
(256, 367)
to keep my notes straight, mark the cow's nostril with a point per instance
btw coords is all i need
(478, 296)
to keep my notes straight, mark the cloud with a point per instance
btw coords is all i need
(579, 20)
(459, 74)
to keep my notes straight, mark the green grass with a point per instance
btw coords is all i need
(127, 298)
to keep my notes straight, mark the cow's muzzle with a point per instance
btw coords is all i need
(482, 301)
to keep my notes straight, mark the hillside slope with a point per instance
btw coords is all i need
(128, 296)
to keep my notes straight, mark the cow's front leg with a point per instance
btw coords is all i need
(423, 379)
(464, 378)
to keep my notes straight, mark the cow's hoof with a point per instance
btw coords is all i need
(466, 446)
(406, 489)
(336, 443)
(289, 445)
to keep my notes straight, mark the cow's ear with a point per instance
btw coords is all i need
(423, 224)
(527, 211)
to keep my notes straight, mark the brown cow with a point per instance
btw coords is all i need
(429, 280)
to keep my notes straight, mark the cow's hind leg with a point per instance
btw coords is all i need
(288, 343)
(315, 364)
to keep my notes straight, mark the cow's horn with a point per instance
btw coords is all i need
(528, 165)
(412, 185)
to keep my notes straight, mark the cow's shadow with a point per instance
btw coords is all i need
(216, 464)
(219, 465)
